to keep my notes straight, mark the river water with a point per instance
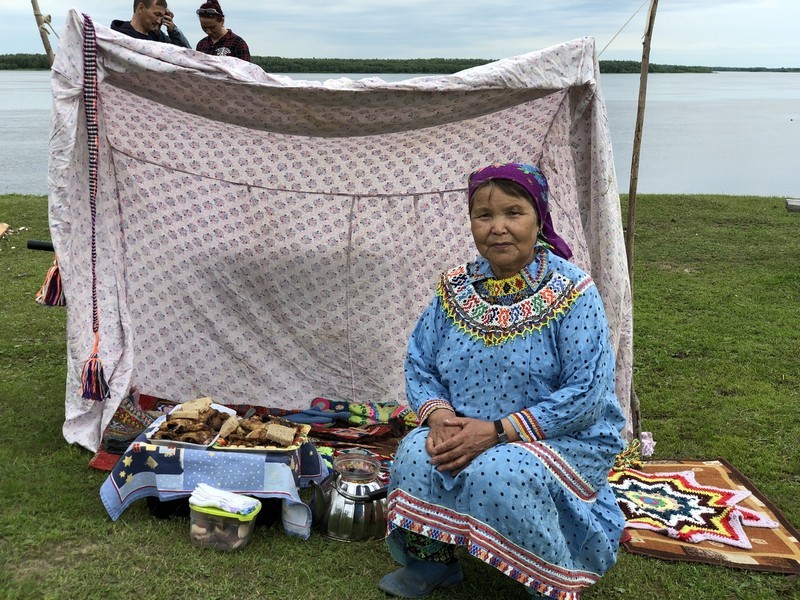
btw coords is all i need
(719, 133)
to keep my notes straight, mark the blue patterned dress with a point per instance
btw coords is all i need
(534, 348)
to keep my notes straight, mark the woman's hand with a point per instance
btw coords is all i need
(458, 440)
(439, 431)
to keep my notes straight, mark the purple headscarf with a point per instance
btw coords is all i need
(534, 182)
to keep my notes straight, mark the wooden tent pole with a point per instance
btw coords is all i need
(40, 25)
(637, 137)
(637, 142)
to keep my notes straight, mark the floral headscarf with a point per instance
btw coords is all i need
(534, 182)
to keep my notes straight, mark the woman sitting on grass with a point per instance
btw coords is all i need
(511, 371)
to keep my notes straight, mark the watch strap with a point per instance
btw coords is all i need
(501, 432)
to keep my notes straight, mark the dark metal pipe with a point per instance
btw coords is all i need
(39, 245)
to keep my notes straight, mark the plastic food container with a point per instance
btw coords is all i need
(221, 530)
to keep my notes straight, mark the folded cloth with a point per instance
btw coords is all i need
(316, 417)
(356, 413)
(371, 413)
(323, 411)
(331, 405)
(208, 496)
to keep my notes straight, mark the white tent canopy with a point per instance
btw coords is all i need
(265, 241)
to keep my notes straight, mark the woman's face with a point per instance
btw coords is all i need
(213, 27)
(504, 228)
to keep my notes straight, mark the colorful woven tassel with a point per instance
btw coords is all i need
(51, 292)
(93, 381)
(630, 457)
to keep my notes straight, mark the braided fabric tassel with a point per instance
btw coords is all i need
(93, 382)
(51, 292)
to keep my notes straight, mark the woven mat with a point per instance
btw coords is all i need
(775, 550)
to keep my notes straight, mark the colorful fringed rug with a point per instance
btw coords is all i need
(129, 420)
(704, 511)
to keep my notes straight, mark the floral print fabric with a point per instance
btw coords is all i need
(267, 241)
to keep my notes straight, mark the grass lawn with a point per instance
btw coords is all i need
(717, 372)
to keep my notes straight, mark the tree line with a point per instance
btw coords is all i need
(278, 64)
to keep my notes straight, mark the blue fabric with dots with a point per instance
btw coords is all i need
(541, 511)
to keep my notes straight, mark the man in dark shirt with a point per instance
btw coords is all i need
(145, 24)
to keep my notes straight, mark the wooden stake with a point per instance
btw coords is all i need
(637, 142)
(40, 25)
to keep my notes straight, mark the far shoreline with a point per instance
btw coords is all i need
(419, 66)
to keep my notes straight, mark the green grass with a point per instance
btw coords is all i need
(717, 341)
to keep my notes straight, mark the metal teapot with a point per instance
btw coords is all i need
(350, 503)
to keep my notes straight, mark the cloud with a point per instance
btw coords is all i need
(712, 33)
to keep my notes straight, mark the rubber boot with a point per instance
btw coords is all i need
(420, 578)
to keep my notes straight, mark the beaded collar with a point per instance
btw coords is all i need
(497, 310)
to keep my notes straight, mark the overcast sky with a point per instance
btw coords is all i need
(729, 33)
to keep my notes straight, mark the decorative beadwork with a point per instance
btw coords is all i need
(503, 291)
(527, 426)
(430, 406)
(496, 310)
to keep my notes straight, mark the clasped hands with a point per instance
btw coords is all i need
(453, 442)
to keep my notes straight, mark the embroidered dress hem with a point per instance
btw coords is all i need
(448, 526)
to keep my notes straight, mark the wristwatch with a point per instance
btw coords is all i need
(502, 437)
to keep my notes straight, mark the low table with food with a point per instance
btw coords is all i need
(203, 442)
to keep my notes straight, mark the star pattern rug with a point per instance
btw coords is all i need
(703, 511)
(675, 503)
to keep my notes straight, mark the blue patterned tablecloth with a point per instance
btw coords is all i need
(169, 473)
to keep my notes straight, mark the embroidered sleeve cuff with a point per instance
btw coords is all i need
(527, 426)
(431, 405)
